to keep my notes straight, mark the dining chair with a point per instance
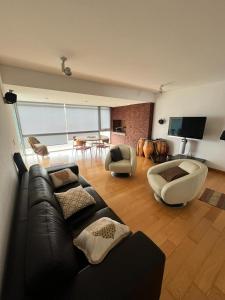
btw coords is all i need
(103, 143)
(39, 149)
(80, 145)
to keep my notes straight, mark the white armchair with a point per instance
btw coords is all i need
(127, 165)
(181, 190)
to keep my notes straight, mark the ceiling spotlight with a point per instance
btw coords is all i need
(66, 70)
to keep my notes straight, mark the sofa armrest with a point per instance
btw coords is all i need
(132, 270)
(74, 168)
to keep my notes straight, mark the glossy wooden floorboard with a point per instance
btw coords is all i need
(193, 238)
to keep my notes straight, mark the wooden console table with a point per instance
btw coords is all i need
(181, 156)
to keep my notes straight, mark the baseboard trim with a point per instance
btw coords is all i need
(216, 170)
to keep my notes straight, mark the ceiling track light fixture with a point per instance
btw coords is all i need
(66, 70)
(162, 86)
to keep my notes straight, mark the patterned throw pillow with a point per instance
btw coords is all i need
(63, 177)
(74, 200)
(99, 238)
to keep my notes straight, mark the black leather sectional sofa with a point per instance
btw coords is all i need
(42, 262)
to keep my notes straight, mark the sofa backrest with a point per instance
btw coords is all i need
(125, 150)
(189, 166)
(41, 188)
(38, 171)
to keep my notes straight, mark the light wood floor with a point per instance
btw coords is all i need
(193, 238)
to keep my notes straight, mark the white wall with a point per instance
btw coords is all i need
(8, 176)
(205, 100)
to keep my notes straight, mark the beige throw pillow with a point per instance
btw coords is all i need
(63, 177)
(74, 200)
(99, 238)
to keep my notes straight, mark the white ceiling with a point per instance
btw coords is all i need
(29, 94)
(135, 42)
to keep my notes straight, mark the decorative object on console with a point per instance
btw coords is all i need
(222, 137)
(99, 238)
(74, 200)
(140, 145)
(161, 150)
(148, 148)
(157, 149)
(162, 147)
(181, 190)
(63, 177)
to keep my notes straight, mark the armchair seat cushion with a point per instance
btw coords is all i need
(122, 166)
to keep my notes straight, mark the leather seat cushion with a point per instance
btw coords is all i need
(122, 166)
(104, 212)
(157, 182)
(85, 213)
(50, 254)
(81, 181)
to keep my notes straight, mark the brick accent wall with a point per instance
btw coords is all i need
(138, 120)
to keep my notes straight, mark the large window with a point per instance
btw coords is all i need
(57, 124)
(82, 118)
(105, 118)
(46, 122)
(40, 119)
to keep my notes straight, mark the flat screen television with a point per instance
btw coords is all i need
(187, 127)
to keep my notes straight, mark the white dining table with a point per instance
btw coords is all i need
(92, 138)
